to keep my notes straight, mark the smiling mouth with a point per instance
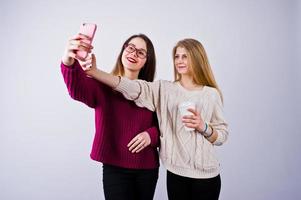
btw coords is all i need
(131, 60)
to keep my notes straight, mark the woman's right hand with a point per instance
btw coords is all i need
(139, 142)
(74, 44)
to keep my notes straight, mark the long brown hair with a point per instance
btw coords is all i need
(201, 71)
(147, 72)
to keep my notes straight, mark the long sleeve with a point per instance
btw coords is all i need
(80, 87)
(154, 136)
(154, 132)
(145, 94)
(181, 152)
(218, 122)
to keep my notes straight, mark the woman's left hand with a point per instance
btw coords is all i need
(139, 142)
(194, 121)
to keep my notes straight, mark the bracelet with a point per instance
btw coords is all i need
(206, 126)
(208, 136)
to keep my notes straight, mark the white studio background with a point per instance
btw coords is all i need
(253, 47)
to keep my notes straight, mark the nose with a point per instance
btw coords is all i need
(134, 53)
(179, 60)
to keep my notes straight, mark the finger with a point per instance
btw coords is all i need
(82, 46)
(140, 149)
(80, 36)
(188, 117)
(193, 111)
(84, 36)
(190, 125)
(187, 120)
(93, 60)
(193, 122)
(140, 145)
(74, 48)
(131, 142)
(75, 37)
(72, 54)
(84, 43)
(75, 56)
(79, 48)
(134, 145)
(191, 119)
(74, 42)
(137, 137)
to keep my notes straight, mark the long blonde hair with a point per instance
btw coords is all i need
(201, 71)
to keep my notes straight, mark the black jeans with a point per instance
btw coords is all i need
(129, 184)
(179, 188)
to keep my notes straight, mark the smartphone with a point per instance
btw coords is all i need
(89, 30)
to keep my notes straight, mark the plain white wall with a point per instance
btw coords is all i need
(298, 57)
(254, 50)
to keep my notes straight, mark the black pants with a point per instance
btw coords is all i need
(179, 188)
(129, 184)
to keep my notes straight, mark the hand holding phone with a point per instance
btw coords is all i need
(89, 30)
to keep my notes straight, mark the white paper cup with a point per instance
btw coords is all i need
(183, 108)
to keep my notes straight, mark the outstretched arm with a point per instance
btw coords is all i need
(145, 94)
(104, 77)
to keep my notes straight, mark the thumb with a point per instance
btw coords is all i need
(93, 61)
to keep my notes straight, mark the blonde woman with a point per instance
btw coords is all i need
(193, 170)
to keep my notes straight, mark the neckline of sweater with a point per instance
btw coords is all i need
(200, 89)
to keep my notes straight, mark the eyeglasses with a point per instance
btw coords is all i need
(141, 53)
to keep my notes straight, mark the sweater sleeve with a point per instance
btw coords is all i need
(80, 87)
(154, 136)
(154, 132)
(145, 94)
(218, 122)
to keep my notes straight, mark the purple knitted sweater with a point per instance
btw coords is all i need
(117, 121)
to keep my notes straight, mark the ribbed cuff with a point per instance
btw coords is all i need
(219, 140)
(154, 136)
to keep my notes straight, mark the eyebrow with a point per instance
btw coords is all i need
(137, 48)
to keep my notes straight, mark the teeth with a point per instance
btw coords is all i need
(131, 60)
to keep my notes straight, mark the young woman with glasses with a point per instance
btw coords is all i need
(126, 136)
(188, 154)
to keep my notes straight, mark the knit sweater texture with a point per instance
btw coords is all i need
(186, 153)
(117, 121)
